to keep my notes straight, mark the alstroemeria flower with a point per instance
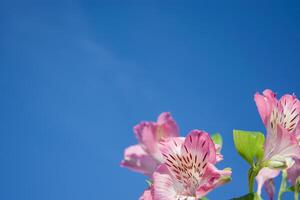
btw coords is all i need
(145, 156)
(188, 171)
(281, 119)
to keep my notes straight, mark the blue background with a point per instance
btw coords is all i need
(76, 76)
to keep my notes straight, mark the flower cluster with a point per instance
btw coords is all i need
(178, 168)
(183, 168)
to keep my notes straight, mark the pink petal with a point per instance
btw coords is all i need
(146, 133)
(150, 134)
(171, 146)
(164, 187)
(270, 94)
(136, 159)
(294, 172)
(168, 125)
(291, 111)
(199, 146)
(171, 151)
(212, 179)
(265, 104)
(264, 175)
(147, 195)
(281, 144)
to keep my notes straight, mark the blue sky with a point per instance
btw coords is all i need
(76, 76)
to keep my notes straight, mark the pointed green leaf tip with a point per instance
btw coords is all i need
(250, 196)
(249, 145)
(217, 138)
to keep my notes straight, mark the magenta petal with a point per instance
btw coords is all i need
(136, 159)
(264, 175)
(294, 172)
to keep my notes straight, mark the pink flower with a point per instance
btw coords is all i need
(188, 170)
(281, 119)
(145, 156)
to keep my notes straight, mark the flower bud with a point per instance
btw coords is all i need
(276, 164)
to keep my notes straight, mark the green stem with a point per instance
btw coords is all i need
(282, 185)
(252, 173)
(250, 180)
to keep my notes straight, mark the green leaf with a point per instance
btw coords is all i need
(250, 196)
(217, 138)
(249, 145)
